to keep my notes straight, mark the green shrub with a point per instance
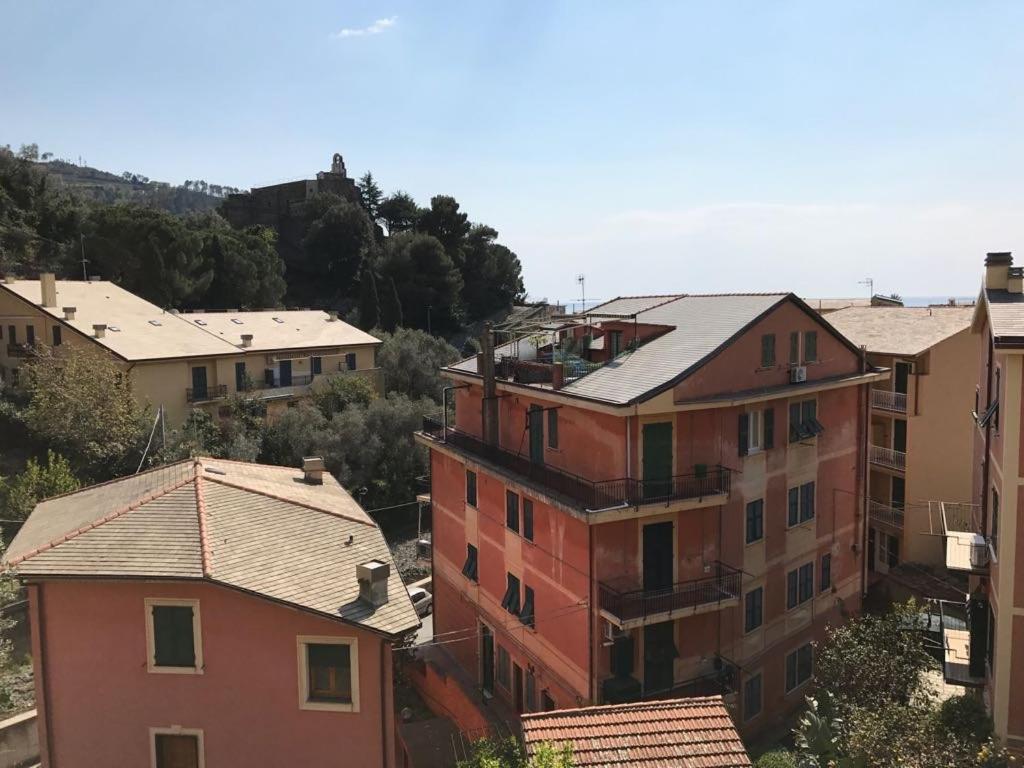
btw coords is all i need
(965, 717)
(777, 758)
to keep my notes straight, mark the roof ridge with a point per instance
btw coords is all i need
(685, 701)
(153, 495)
(237, 487)
(204, 541)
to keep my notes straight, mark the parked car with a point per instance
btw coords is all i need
(422, 600)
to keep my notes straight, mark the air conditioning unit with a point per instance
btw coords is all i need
(979, 556)
(423, 549)
(612, 633)
(798, 374)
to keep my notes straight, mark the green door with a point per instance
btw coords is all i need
(657, 469)
(536, 422)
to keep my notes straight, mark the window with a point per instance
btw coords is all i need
(994, 532)
(798, 667)
(12, 334)
(56, 335)
(614, 343)
(528, 519)
(801, 504)
(531, 690)
(995, 399)
(471, 488)
(173, 636)
(826, 572)
(794, 348)
(316, 365)
(527, 615)
(350, 361)
(469, 568)
(240, 377)
(512, 511)
(753, 607)
(811, 347)
(176, 748)
(552, 428)
(803, 421)
(510, 602)
(755, 521)
(893, 558)
(756, 431)
(30, 335)
(752, 697)
(768, 350)
(504, 668)
(328, 673)
(799, 585)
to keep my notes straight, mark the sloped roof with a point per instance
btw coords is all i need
(682, 733)
(1006, 314)
(253, 527)
(628, 305)
(900, 330)
(139, 330)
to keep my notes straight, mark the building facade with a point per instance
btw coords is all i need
(179, 361)
(211, 613)
(664, 497)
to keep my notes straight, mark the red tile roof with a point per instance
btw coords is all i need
(682, 733)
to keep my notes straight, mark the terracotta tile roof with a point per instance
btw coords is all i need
(253, 527)
(682, 733)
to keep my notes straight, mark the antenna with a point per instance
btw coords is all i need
(85, 273)
(581, 280)
(869, 283)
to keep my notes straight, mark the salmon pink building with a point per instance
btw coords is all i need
(664, 497)
(212, 613)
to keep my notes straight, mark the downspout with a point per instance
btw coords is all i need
(594, 615)
(988, 440)
(43, 685)
(385, 691)
(864, 430)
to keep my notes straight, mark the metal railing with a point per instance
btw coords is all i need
(198, 394)
(884, 513)
(19, 350)
(590, 494)
(887, 457)
(887, 400)
(722, 683)
(724, 583)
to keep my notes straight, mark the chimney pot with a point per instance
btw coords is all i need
(373, 582)
(100, 329)
(69, 313)
(246, 339)
(48, 289)
(313, 470)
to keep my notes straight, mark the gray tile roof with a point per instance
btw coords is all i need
(1006, 313)
(257, 528)
(900, 330)
(628, 305)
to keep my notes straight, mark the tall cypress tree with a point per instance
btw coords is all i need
(369, 301)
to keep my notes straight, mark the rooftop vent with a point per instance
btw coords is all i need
(236, 321)
(48, 289)
(100, 330)
(313, 470)
(155, 322)
(9, 279)
(246, 339)
(69, 313)
(373, 582)
(278, 320)
(200, 322)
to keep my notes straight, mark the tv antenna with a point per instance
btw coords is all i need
(581, 280)
(869, 283)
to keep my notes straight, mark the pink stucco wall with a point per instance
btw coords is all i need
(101, 701)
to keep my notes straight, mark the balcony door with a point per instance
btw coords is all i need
(901, 377)
(899, 493)
(657, 459)
(899, 435)
(286, 373)
(199, 382)
(658, 551)
(535, 418)
(659, 654)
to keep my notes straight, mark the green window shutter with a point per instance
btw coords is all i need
(769, 428)
(794, 348)
(173, 640)
(744, 436)
(794, 422)
(794, 506)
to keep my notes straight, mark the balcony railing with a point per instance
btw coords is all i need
(19, 350)
(198, 394)
(887, 400)
(723, 583)
(967, 546)
(887, 457)
(590, 494)
(884, 513)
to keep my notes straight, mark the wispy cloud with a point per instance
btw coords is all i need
(379, 26)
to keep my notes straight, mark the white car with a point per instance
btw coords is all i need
(422, 600)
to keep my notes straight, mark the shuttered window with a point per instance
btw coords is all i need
(510, 602)
(471, 488)
(330, 673)
(753, 606)
(528, 615)
(768, 350)
(470, 567)
(512, 511)
(528, 519)
(755, 521)
(173, 636)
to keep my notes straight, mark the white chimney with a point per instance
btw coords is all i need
(313, 470)
(100, 329)
(246, 339)
(69, 313)
(373, 582)
(48, 289)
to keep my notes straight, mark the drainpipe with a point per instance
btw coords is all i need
(44, 688)
(864, 428)
(593, 614)
(385, 691)
(988, 439)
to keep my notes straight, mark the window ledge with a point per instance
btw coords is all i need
(152, 669)
(327, 706)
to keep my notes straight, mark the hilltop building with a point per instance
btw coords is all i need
(212, 612)
(183, 360)
(662, 497)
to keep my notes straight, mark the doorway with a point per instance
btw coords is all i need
(487, 659)
(901, 377)
(659, 654)
(199, 382)
(899, 435)
(657, 460)
(658, 551)
(285, 373)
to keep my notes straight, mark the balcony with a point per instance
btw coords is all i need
(203, 394)
(591, 495)
(19, 350)
(887, 400)
(888, 458)
(722, 682)
(967, 548)
(638, 607)
(885, 514)
(957, 668)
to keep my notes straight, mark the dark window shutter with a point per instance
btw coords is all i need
(744, 433)
(173, 641)
(622, 657)
(794, 422)
(794, 506)
(769, 428)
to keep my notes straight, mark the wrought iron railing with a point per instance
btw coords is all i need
(590, 494)
(887, 400)
(884, 513)
(887, 457)
(197, 394)
(723, 583)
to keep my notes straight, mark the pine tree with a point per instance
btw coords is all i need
(371, 195)
(369, 301)
(391, 308)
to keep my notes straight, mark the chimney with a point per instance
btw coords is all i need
(373, 582)
(332, 315)
(48, 288)
(100, 329)
(313, 470)
(489, 404)
(69, 313)
(997, 270)
(246, 339)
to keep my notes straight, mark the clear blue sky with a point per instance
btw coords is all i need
(655, 147)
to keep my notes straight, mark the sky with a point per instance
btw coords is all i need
(653, 147)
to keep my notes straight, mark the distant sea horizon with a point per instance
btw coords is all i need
(925, 301)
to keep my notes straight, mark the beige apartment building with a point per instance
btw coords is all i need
(186, 360)
(920, 440)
